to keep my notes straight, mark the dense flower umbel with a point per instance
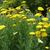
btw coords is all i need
(38, 34)
(45, 19)
(2, 27)
(46, 25)
(39, 26)
(14, 16)
(40, 8)
(44, 34)
(40, 23)
(38, 14)
(43, 30)
(31, 19)
(32, 33)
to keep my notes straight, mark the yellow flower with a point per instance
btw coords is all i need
(2, 27)
(47, 47)
(31, 19)
(40, 23)
(44, 34)
(38, 26)
(24, 17)
(38, 33)
(15, 15)
(38, 14)
(46, 25)
(43, 30)
(32, 33)
(40, 8)
(45, 19)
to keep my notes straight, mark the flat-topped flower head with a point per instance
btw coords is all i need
(39, 26)
(38, 33)
(45, 19)
(32, 33)
(46, 25)
(43, 30)
(38, 14)
(2, 27)
(31, 19)
(44, 34)
(40, 23)
(40, 8)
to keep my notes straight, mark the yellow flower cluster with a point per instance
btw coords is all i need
(39, 33)
(31, 19)
(2, 27)
(32, 33)
(14, 16)
(40, 23)
(21, 21)
(16, 13)
(40, 8)
(45, 19)
(43, 25)
(38, 14)
(38, 26)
